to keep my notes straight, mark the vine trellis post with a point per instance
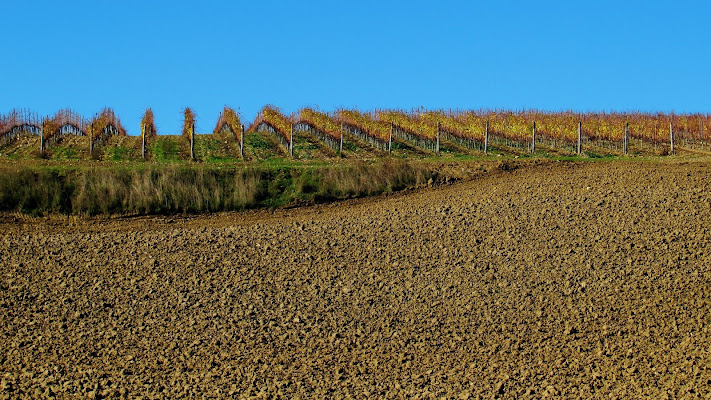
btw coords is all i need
(626, 143)
(42, 140)
(192, 141)
(533, 142)
(701, 133)
(390, 139)
(437, 138)
(241, 140)
(486, 138)
(143, 140)
(340, 147)
(291, 141)
(580, 137)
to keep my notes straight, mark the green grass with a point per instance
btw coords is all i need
(349, 146)
(118, 153)
(207, 145)
(165, 150)
(591, 154)
(64, 153)
(261, 146)
(211, 149)
(257, 141)
(221, 160)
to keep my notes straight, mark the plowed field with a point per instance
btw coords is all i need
(569, 280)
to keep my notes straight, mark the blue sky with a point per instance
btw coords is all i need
(550, 55)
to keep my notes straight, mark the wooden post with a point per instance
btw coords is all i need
(437, 138)
(143, 140)
(390, 140)
(486, 138)
(671, 138)
(241, 140)
(533, 143)
(626, 143)
(291, 141)
(701, 134)
(340, 147)
(702, 137)
(91, 140)
(42, 140)
(192, 141)
(580, 137)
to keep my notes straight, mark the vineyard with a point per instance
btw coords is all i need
(371, 254)
(354, 133)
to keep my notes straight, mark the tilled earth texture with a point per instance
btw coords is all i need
(587, 280)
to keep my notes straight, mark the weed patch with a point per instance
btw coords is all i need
(176, 188)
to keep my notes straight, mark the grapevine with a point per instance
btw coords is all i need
(229, 119)
(321, 121)
(188, 122)
(149, 127)
(272, 117)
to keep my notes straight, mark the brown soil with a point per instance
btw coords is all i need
(582, 280)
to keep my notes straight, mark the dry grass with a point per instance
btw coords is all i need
(189, 189)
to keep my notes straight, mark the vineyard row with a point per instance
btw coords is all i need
(421, 129)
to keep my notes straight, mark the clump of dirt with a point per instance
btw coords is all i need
(568, 280)
(507, 165)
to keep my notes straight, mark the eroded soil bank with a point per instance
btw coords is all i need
(574, 280)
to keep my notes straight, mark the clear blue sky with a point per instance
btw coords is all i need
(550, 55)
